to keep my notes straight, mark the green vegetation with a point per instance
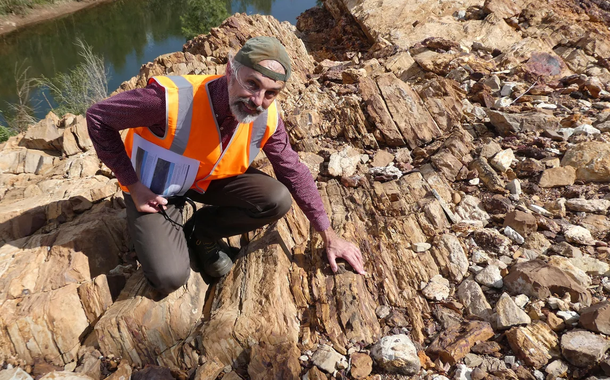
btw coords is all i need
(19, 115)
(20, 7)
(202, 15)
(79, 88)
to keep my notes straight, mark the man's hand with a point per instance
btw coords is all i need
(144, 199)
(338, 248)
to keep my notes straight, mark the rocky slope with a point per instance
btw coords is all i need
(463, 146)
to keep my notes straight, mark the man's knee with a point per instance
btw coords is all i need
(279, 201)
(168, 281)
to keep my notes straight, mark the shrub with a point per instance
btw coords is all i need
(82, 86)
(20, 115)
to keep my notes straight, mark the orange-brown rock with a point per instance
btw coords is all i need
(455, 342)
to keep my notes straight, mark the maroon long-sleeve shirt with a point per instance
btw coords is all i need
(145, 107)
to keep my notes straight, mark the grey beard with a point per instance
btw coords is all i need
(243, 117)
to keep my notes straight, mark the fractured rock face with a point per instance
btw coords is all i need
(591, 160)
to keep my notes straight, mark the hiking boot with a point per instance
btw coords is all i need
(213, 259)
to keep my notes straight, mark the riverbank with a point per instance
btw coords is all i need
(11, 23)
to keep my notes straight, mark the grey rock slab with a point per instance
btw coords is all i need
(490, 276)
(14, 374)
(508, 314)
(327, 359)
(473, 298)
(587, 205)
(396, 354)
(583, 348)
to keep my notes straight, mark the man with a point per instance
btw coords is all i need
(196, 136)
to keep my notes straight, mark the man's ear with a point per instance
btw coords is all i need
(228, 69)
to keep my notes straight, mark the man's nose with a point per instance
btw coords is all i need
(258, 97)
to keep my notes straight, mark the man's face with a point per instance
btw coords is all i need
(251, 93)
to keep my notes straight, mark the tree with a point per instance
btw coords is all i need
(202, 15)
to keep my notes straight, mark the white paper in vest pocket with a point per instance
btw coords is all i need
(162, 171)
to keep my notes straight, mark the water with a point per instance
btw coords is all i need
(127, 33)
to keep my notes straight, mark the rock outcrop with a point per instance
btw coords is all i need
(461, 146)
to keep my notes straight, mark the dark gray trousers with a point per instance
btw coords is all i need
(238, 204)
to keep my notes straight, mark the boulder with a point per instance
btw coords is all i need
(556, 177)
(591, 161)
(537, 279)
(474, 300)
(521, 222)
(508, 314)
(455, 342)
(534, 344)
(596, 317)
(583, 348)
(396, 354)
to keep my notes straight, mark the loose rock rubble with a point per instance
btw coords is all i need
(463, 146)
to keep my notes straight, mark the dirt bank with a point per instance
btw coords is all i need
(11, 23)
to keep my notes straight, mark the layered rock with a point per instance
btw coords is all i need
(443, 144)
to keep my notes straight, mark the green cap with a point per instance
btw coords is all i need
(261, 48)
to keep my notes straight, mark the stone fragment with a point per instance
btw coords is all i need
(471, 208)
(503, 160)
(396, 354)
(508, 314)
(490, 149)
(45, 135)
(521, 222)
(557, 324)
(578, 235)
(315, 374)
(492, 241)
(557, 368)
(421, 247)
(490, 276)
(591, 161)
(65, 375)
(498, 204)
(569, 316)
(590, 265)
(14, 374)
(449, 253)
(124, 371)
(555, 177)
(473, 298)
(454, 343)
(588, 205)
(327, 359)
(566, 266)
(514, 187)
(596, 317)
(362, 365)
(486, 348)
(487, 175)
(583, 348)
(513, 235)
(344, 163)
(534, 344)
(437, 289)
(502, 8)
(382, 158)
(462, 372)
(537, 279)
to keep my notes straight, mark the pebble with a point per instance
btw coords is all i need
(513, 235)
(569, 316)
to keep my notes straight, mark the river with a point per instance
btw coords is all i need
(126, 33)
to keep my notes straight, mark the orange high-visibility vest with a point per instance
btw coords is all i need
(191, 131)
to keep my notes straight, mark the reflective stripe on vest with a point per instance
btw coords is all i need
(191, 131)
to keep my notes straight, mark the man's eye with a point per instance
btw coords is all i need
(270, 94)
(251, 85)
